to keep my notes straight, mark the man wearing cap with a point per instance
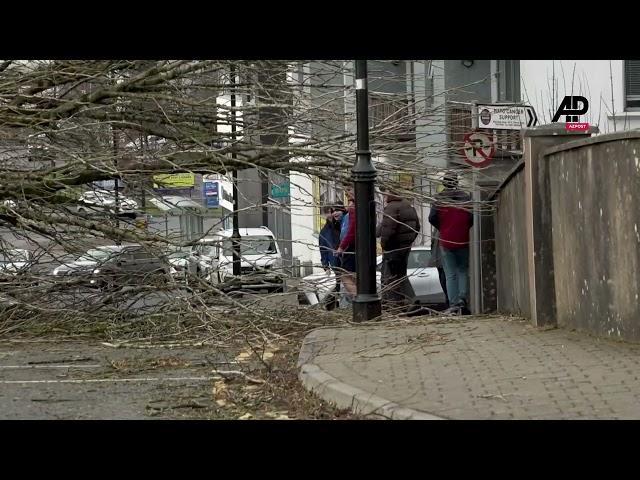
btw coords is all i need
(451, 216)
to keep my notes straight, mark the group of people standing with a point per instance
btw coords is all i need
(399, 228)
(337, 246)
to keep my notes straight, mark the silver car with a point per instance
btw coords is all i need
(319, 288)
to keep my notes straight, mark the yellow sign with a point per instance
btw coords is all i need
(175, 180)
(406, 180)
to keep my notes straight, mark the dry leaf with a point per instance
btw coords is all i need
(246, 416)
(221, 402)
(278, 415)
(243, 356)
(170, 362)
(119, 364)
(219, 388)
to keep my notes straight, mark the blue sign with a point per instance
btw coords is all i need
(210, 190)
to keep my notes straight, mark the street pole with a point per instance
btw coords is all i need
(475, 232)
(366, 304)
(116, 185)
(235, 236)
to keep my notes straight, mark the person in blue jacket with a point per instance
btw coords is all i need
(328, 240)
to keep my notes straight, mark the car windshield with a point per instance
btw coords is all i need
(259, 245)
(179, 254)
(207, 250)
(417, 259)
(96, 255)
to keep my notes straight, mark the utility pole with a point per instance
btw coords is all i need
(235, 236)
(366, 304)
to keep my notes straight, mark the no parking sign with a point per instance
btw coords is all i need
(478, 149)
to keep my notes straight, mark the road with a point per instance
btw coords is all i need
(106, 380)
(94, 381)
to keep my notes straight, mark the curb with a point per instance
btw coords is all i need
(345, 396)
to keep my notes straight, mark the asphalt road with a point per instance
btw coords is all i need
(74, 381)
(96, 380)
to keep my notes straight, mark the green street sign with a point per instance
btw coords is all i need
(280, 191)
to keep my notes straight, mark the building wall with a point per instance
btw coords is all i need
(467, 84)
(305, 241)
(546, 82)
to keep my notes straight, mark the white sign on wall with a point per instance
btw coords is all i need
(506, 117)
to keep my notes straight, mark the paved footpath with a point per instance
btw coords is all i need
(466, 368)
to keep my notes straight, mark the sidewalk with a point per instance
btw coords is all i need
(466, 368)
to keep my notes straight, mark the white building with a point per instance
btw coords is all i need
(612, 88)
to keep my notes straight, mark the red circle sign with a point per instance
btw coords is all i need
(478, 149)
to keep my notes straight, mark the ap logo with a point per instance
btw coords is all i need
(572, 107)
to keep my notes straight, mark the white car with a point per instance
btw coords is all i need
(183, 264)
(261, 260)
(94, 200)
(14, 261)
(319, 288)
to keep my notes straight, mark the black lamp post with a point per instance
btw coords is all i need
(235, 236)
(366, 304)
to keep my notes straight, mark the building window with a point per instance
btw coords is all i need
(632, 84)
(459, 124)
(391, 114)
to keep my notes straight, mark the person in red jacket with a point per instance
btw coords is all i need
(451, 215)
(347, 248)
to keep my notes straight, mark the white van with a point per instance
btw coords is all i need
(261, 265)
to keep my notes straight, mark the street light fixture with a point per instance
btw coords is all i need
(366, 304)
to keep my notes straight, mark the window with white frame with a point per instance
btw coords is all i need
(632, 84)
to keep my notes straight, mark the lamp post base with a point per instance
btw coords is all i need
(366, 307)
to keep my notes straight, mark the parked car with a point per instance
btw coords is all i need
(96, 200)
(87, 262)
(116, 265)
(132, 265)
(14, 261)
(183, 263)
(320, 288)
(261, 260)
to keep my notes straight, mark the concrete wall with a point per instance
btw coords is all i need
(512, 280)
(595, 193)
(567, 234)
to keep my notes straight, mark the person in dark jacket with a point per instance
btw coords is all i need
(399, 228)
(328, 240)
(452, 217)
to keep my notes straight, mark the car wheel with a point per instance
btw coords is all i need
(330, 302)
